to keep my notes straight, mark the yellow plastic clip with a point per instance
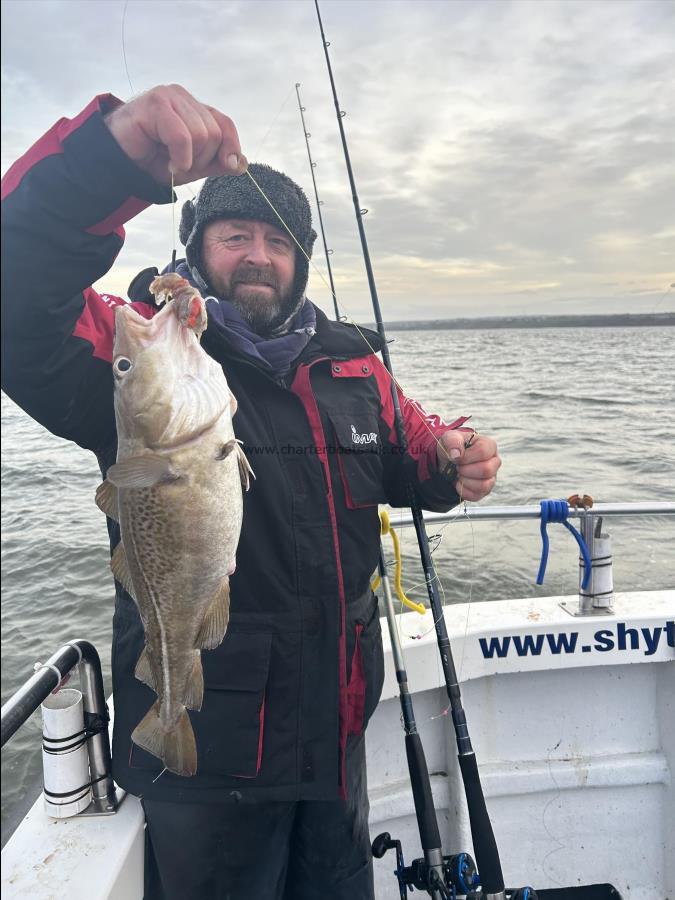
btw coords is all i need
(385, 528)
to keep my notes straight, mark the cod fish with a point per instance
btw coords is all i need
(176, 491)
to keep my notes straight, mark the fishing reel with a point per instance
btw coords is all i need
(460, 876)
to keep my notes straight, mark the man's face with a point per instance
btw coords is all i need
(251, 265)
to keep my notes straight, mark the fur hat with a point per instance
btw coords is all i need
(237, 197)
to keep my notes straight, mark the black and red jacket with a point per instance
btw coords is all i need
(301, 666)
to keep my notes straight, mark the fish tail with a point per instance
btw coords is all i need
(175, 746)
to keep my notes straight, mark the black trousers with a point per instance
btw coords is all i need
(308, 850)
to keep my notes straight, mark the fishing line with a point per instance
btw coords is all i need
(422, 419)
(398, 624)
(279, 216)
(663, 297)
(560, 845)
(352, 322)
(444, 604)
(319, 203)
(124, 50)
(302, 250)
(173, 224)
(267, 133)
(468, 600)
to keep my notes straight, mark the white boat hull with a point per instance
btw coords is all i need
(576, 750)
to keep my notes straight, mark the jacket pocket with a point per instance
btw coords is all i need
(229, 728)
(358, 448)
(367, 673)
(230, 725)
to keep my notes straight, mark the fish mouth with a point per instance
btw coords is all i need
(175, 392)
(130, 323)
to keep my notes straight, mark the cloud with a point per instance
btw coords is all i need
(504, 150)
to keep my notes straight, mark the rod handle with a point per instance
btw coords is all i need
(421, 787)
(484, 843)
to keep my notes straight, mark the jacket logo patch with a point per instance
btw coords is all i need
(370, 438)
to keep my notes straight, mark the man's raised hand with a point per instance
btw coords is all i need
(167, 130)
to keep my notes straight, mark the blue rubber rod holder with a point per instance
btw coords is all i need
(556, 511)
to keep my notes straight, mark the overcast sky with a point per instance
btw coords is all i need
(515, 157)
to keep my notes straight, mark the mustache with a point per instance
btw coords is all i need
(255, 276)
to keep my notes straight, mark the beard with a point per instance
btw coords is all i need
(256, 295)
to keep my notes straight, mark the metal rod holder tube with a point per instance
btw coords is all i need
(28, 698)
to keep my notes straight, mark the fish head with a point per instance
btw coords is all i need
(168, 390)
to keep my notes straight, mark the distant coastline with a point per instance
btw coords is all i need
(619, 320)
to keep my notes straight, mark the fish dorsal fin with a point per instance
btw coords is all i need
(106, 500)
(120, 569)
(245, 470)
(140, 471)
(214, 626)
(194, 690)
(144, 670)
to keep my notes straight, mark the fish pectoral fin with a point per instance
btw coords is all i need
(214, 626)
(226, 449)
(176, 746)
(120, 569)
(245, 470)
(140, 471)
(194, 690)
(106, 500)
(143, 670)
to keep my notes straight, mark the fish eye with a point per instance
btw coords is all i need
(121, 365)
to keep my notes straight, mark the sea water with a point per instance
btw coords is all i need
(574, 410)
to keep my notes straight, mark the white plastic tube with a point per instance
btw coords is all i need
(601, 587)
(65, 759)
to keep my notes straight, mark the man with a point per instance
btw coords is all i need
(278, 807)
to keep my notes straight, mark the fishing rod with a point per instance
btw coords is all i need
(319, 203)
(432, 874)
(433, 871)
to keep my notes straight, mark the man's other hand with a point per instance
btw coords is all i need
(475, 458)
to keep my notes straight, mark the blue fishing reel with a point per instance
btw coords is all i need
(460, 876)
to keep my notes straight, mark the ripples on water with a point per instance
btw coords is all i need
(574, 411)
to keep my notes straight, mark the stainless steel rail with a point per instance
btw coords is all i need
(593, 601)
(27, 699)
(491, 513)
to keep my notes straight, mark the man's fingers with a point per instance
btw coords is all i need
(451, 446)
(472, 489)
(216, 168)
(167, 130)
(172, 131)
(478, 470)
(480, 449)
(207, 135)
(191, 116)
(229, 144)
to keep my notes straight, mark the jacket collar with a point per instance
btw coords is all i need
(338, 340)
